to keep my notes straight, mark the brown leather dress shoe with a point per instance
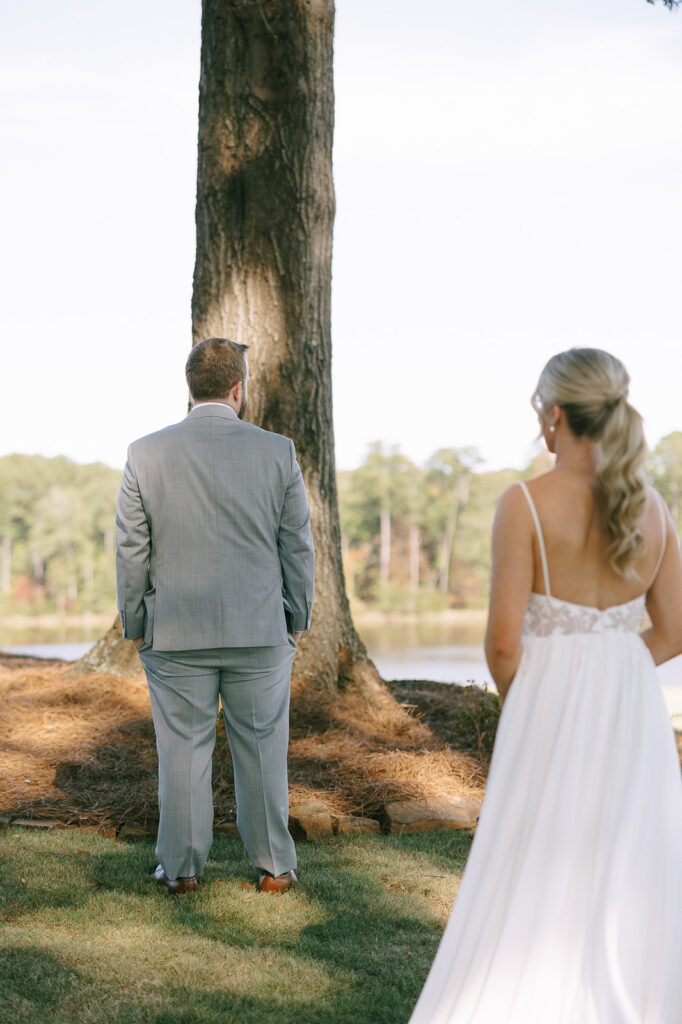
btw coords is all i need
(280, 883)
(175, 886)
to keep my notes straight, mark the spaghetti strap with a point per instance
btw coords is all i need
(541, 539)
(664, 531)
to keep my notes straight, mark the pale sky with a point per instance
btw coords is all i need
(508, 184)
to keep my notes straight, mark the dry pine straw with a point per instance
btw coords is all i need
(82, 750)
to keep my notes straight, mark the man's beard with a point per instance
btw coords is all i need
(242, 407)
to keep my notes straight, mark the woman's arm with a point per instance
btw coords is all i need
(664, 602)
(511, 582)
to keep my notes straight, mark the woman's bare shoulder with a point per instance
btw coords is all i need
(512, 498)
(544, 489)
(512, 510)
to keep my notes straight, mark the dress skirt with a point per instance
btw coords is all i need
(570, 907)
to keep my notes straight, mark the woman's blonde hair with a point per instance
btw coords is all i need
(591, 386)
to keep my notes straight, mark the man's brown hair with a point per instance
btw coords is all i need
(213, 368)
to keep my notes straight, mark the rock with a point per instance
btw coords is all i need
(131, 832)
(226, 828)
(432, 815)
(105, 831)
(310, 821)
(37, 823)
(350, 825)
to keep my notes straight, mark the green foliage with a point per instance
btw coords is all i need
(383, 480)
(88, 936)
(666, 469)
(477, 721)
(56, 534)
(446, 504)
(451, 505)
(57, 528)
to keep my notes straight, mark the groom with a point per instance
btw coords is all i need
(215, 567)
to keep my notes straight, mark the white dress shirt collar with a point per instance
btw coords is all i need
(223, 405)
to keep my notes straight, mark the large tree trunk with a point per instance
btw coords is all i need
(415, 543)
(460, 498)
(385, 545)
(448, 542)
(111, 653)
(265, 210)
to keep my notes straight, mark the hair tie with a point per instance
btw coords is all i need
(619, 396)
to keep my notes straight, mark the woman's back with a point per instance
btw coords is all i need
(576, 543)
(570, 906)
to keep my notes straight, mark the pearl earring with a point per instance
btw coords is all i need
(552, 429)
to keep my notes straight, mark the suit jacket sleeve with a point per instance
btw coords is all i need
(133, 546)
(296, 553)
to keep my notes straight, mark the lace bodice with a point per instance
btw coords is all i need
(547, 616)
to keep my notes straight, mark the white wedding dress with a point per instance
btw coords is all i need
(570, 907)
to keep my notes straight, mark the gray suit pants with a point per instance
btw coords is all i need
(253, 684)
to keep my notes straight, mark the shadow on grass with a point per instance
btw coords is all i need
(352, 945)
(377, 937)
(33, 983)
(68, 878)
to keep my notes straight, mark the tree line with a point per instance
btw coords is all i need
(417, 538)
(56, 535)
(414, 538)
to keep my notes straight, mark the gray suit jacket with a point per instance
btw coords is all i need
(213, 540)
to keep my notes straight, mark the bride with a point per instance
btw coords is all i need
(570, 908)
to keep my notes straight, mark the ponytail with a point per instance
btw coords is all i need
(591, 387)
(621, 483)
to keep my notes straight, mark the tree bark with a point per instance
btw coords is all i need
(265, 211)
(385, 545)
(448, 542)
(37, 567)
(415, 544)
(460, 498)
(111, 653)
(349, 574)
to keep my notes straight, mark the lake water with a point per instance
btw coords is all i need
(442, 664)
(65, 651)
(445, 653)
(447, 664)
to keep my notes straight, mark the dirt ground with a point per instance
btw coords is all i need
(82, 750)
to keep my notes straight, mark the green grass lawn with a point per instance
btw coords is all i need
(86, 935)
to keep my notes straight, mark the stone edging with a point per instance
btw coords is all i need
(310, 821)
